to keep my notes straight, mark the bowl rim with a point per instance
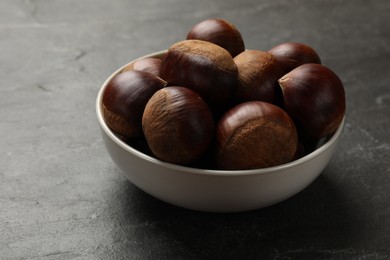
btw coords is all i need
(192, 170)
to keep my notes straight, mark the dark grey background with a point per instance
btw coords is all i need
(61, 196)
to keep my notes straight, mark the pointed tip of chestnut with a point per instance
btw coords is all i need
(253, 135)
(124, 100)
(220, 32)
(293, 54)
(314, 97)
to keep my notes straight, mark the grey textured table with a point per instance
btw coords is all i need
(61, 196)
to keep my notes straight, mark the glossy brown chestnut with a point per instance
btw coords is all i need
(203, 67)
(293, 54)
(258, 74)
(124, 100)
(220, 32)
(314, 97)
(255, 134)
(151, 65)
(178, 125)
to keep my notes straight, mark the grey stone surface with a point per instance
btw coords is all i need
(61, 196)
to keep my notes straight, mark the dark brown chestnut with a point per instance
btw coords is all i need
(293, 54)
(203, 67)
(255, 134)
(151, 65)
(124, 100)
(258, 74)
(220, 32)
(178, 125)
(314, 97)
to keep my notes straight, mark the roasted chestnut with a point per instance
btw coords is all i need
(203, 67)
(178, 125)
(151, 65)
(255, 134)
(258, 74)
(314, 97)
(293, 54)
(220, 32)
(124, 100)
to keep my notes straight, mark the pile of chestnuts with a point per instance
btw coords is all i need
(209, 102)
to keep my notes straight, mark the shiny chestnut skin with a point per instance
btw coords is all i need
(178, 125)
(258, 74)
(220, 32)
(255, 134)
(203, 67)
(293, 54)
(314, 97)
(124, 100)
(151, 65)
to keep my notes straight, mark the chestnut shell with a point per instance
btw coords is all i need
(178, 125)
(258, 74)
(220, 32)
(203, 67)
(149, 64)
(293, 54)
(314, 97)
(255, 134)
(124, 100)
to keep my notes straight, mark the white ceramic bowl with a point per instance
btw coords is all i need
(213, 190)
